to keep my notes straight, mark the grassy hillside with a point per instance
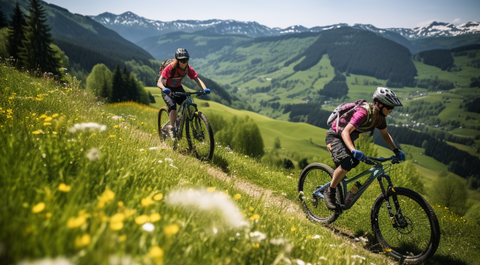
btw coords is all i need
(88, 183)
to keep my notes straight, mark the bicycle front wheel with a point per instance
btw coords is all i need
(200, 134)
(313, 181)
(414, 234)
(163, 122)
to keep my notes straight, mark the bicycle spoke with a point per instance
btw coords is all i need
(412, 234)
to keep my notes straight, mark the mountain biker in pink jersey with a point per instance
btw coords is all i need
(341, 145)
(171, 81)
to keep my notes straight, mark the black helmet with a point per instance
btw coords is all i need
(181, 53)
(387, 97)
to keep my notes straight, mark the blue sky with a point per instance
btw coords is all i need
(282, 13)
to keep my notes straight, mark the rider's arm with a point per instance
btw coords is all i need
(160, 82)
(200, 83)
(346, 136)
(388, 139)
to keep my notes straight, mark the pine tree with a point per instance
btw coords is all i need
(36, 52)
(117, 85)
(3, 20)
(16, 34)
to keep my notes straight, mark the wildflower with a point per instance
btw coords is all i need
(171, 229)
(55, 115)
(238, 196)
(158, 197)
(149, 227)
(105, 198)
(140, 220)
(206, 202)
(74, 222)
(211, 189)
(82, 241)
(93, 154)
(251, 209)
(255, 217)
(293, 229)
(147, 201)
(48, 119)
(255, 245)
(87, 126)
(118, 217)
(257, 236)
(122, 238)
(155, 217)
(116, 226)
(156, 253)
(64, 188)
(38, 208)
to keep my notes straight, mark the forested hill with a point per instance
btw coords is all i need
(361, 52)
(84, 41)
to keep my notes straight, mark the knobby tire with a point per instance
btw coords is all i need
(420, 237)
(200, 134)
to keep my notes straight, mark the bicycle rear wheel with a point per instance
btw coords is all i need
(417, 235)
(200, 135)
(311, 184)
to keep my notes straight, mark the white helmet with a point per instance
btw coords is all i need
(387, 97)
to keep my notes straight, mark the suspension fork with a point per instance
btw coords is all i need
(396, 217)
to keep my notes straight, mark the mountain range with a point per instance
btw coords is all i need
(144, 27)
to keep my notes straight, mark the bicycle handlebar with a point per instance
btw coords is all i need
(198, 93)
(371, 160)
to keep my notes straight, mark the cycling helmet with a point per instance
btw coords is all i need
(387, 97)
(181, 53)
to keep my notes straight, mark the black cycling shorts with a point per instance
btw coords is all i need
(339, 152)
(173, 101)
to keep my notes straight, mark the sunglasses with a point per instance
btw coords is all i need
(389, 107)
(183, 60)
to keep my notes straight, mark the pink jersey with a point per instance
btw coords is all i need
(176, 80)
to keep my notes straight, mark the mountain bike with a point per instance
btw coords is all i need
(193, 133)
(402, 221)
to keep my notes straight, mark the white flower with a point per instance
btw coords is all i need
(93, 154)
(257, 236)
(46, 261)
(87, 126)
(149, 227)
(153, 148)
(169, 160)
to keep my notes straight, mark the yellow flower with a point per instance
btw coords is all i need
(158, 197)
(39, 207)
(105, 198)
(147, 201)
(255, 217)
(293, 229)
(64, 188)
(251, 209)
(155, 217)
(122, 238)
(74, 222)
(238, 196)
(211, 189)
(48, 118)
(140, 220)
(36, 132)
(116, 225)
(112, 136)
(55, 115)
(171, 229)
(118, 217)
(156, 252)
(82, 241)
(47, 123)
(255, 245)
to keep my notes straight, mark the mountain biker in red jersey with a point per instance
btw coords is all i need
(171, 81)
(340, 144)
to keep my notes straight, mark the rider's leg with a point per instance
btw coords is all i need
(338, 175)
(173, 118)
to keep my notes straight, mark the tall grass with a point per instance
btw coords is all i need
(87, 183)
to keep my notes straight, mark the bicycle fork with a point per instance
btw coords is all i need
(397, 218)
